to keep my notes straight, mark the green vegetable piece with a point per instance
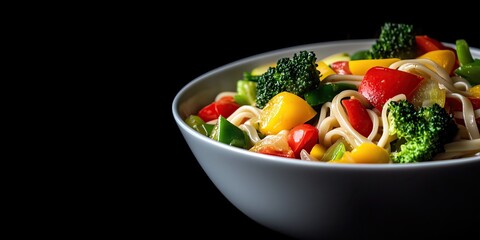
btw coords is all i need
(326, 92)
(469, 67)
(250, 77)
(296, 75)
(396, 40)
(335, 151)
(199, 125)
(246, 92)
(470, 71)
(226, 132)
(463, 52)
(360, 55)
(422, 133)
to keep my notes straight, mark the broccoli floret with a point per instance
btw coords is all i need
(396, 40)
(296, 75)
(421, 133)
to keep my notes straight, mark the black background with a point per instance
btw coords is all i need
(208, 40)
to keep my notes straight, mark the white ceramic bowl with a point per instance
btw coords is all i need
(316, 200)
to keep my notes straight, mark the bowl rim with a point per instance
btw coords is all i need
(289, 161)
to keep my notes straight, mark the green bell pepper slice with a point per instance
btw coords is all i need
(326, 92)
(469, 67)
(463, 52)
(360, 55)
(470, 71)
(226, 132)
(335, 151)
(199, 125)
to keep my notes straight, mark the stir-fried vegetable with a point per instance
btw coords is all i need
(380, 84)
(326, 92)
(444, 58)
(358, 116)
(222, 107)
(303, 136)
(469, 67)
(360, 67)
(283, 112)
(225, 132)
(365, 153)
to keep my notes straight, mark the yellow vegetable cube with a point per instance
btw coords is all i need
(317, 151)
(370, 153)
(360, 67)
(283, 112)
(365, 153)
(475, 91)
(324, 70)
(444, 58)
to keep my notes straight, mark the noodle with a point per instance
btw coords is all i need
(324, 127)
(243, 112)
(468, 115)
(251, 132)
(375, 122)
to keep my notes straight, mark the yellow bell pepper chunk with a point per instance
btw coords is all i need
(365, 153)
(324, 69)
(475, 91)
(262, 69)
(444, 58)
(283, 112)
(360, 67)
(318, 151)
(370, 153)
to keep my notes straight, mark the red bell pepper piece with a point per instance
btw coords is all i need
(382, 83)
(427, 44)
(358, 116)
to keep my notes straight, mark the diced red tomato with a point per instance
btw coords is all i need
(358, 116)
(303, 136)
(382, 83)
(340, 67)
(224, 107)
